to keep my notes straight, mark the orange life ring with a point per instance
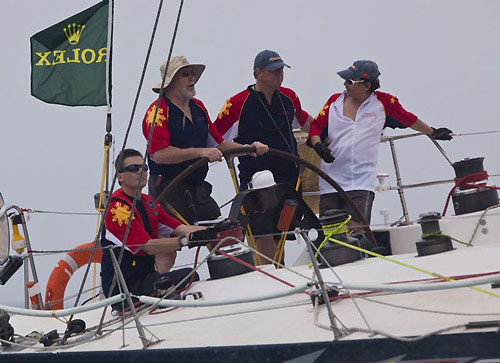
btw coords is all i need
(65, 268)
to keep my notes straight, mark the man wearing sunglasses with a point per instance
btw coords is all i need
(346, 135)
(182, 134)
(154, 237)
(265, 112)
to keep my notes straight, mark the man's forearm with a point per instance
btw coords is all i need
(421, 126)
(161, 245)
(174, 155)
(307, 125)
(228, 144)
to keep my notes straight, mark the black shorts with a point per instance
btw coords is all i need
(201, 207)
(362, 198)
(145, 285)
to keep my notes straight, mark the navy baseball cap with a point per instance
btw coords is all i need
(365, 69)
(269, 60)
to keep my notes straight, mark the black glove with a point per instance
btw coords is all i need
(324, 152)
(441, 134)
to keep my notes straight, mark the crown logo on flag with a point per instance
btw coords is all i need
(73, 32)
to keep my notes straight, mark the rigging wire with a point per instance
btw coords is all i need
(141, 81)
(41, 211)
(476, 133)
(153, 123)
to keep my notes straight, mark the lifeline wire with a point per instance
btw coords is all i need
(125, 142)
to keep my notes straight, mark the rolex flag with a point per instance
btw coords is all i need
(68, 59)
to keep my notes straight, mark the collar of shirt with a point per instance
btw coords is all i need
(339, 103)
(173, 108)
(255, 93)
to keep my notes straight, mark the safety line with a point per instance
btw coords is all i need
(409, 266)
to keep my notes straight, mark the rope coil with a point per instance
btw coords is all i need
(467, 183)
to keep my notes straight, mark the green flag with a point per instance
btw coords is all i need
(68, 60)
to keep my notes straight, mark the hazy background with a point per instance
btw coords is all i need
(441, 59)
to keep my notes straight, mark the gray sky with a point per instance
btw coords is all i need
(439, 57)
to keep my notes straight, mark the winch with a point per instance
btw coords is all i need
(471, 192)
(433, 241)
(220, 265)
(334, 221)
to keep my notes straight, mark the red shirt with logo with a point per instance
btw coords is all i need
(160, 223)
(173, 128)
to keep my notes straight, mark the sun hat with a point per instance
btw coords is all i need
(177, 62)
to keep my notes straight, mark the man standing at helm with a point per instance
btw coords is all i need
(353, 122)
(183, 134)
(265, 112)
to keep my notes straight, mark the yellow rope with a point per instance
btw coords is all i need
(331, 229)
(278, 255)
(233, 178)
(248, 232)
(297, 186)
(405, 264)
(177, 214)
(251, 239)
(100, 210)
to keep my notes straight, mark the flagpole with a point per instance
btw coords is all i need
(109, 56)
(109, 138)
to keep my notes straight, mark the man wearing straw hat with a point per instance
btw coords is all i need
(183, 133)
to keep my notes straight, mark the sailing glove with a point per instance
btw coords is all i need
(324, 152)
(441, 134)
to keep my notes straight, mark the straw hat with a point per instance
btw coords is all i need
(176, 63)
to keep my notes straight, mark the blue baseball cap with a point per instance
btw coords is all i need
(269, 60)
(364, 69)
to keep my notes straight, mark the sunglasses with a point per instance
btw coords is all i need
(188, 73)
(134, 168)
(351, 82)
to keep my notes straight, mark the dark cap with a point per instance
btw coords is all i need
(268, 60)
(365, 69)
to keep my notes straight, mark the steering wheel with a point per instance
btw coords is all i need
(240, 151)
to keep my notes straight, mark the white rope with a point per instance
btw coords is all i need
(406, 339)
(338, 277)
(423, 310)
(64, 312)
(417, 286)
(200, 303)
